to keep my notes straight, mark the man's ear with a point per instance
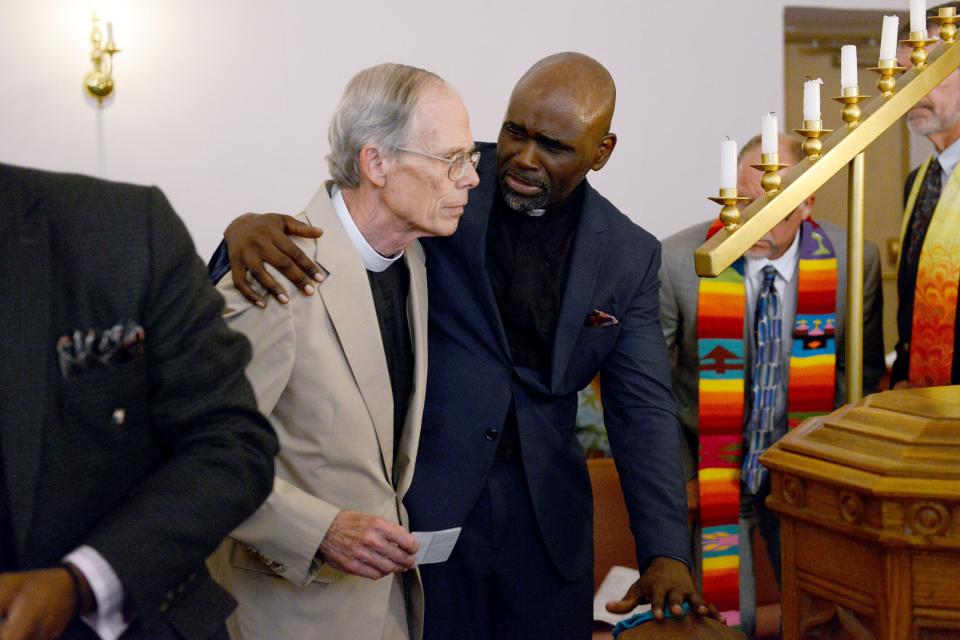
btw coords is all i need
(372, 162)
(607, 144)
(807, 207)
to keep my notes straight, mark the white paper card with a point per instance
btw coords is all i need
(614, 587)
(435, 546)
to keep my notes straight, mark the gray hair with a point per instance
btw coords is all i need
(376, 108)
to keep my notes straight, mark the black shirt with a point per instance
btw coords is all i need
(390, 289)
(528, 258)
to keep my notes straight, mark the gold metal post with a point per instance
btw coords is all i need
(812, 131)
(729, 214)
(770, 165)
(888, 70)
(839, 149)
(854, 324)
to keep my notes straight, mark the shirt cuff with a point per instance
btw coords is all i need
(107, 621)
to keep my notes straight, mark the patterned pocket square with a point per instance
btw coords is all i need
(598, 318)
(87, 350)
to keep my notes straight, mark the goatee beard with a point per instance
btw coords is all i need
(521, 203)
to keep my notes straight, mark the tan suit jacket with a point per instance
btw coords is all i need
(320, 373)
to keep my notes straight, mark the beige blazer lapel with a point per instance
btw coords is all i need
(417, 318)
(349, 302)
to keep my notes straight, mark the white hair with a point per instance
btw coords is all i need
(376, 108)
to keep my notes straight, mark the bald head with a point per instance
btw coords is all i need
(579, 79)
(556, 129)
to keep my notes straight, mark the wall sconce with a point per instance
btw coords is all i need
(99, 82)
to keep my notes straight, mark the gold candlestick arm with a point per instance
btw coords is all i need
(770, 165)
(947, 18)
(850, 98)
(730, 213)
(888, 70)
(812, 131)
(919, 41)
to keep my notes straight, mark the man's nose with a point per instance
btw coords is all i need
(469, 179)
(526, 157)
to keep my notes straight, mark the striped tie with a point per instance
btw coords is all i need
(765, 380)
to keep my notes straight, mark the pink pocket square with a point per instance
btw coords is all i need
(598, 318)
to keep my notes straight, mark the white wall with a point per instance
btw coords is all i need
(224, 103)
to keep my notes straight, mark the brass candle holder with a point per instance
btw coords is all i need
(99, 81)
(851, 99)
(729, 214)
(947, 18)
(919, 41)
(812, 144)
(770, 165)
(888, 71)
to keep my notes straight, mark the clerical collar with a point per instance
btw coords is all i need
(372, 259)
(785, 265)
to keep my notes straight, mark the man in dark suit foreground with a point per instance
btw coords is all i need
(544, 284)
(130, 443)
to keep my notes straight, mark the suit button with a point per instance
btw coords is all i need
(491, 434)
(164, 607)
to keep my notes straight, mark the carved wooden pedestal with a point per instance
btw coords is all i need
(869, 498)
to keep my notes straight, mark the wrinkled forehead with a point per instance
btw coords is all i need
(556, 112)
(441, 121)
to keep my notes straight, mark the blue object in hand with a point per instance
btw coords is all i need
(639, 618)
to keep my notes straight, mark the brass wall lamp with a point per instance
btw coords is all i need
(99, 81)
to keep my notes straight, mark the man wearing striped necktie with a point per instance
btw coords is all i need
(754, 352)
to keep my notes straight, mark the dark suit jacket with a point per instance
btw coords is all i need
(906, 288)
(156, 494)
(472, 383)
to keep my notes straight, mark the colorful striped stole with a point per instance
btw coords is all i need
(935, 294)
(721, 346)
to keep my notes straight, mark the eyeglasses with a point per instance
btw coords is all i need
(458, 162)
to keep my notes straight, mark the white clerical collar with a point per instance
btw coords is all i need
(785, 264)
(372, 260)
(949, 157)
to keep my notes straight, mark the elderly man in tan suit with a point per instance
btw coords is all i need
(341, 374)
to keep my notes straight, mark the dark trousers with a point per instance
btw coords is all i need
(500, 583)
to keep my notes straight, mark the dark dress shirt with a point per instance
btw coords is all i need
(528, 258)
(390, 289)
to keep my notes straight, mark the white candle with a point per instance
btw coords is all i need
(728, 164)
(888, 38)
(918, 16)
(110, 34)
(811, 99)
(848, 66)
(768, 133)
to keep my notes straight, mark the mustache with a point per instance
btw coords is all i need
(532, 180)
